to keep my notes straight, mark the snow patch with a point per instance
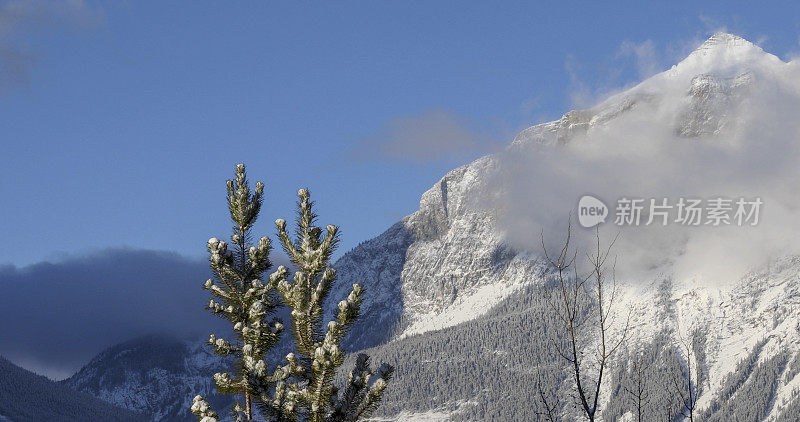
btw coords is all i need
(465, 308)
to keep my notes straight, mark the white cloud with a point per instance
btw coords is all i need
(711, 24)
(755, 153)
(422, 138)
(644, 54)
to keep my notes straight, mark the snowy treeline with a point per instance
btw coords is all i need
(489, 369)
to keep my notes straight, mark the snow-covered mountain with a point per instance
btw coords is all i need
(454, 290)
(452, 261)
(156, 375)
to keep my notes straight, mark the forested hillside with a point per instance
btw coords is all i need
(27, 397)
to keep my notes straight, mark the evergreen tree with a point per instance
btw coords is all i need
(241, 296)
(303, 389)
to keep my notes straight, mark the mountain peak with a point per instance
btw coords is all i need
(724, 42)
(725, 53)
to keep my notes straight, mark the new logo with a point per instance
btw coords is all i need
(591, 211)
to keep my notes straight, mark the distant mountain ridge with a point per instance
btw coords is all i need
(157, 375)
(27, 397)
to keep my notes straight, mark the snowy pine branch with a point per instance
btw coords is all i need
(301, 389)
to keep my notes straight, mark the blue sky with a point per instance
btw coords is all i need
(120, 121)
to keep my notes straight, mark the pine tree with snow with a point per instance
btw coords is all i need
(203, 411)
(241, 296)
(302, 389)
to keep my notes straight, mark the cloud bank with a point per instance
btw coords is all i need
(57, 316)
(722, 124)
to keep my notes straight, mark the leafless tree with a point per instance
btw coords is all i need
(551, 404)
(584, 304)
(685, 384)
(668, 409)
(638, 389)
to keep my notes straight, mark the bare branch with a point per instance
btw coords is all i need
(574, 309)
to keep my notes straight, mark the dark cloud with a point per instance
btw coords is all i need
(425, 137)
(57, 316)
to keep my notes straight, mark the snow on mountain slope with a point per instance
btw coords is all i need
(762, 310)
(453, 259)
(440, 266)
(155, 375)
(450, 260)
(714, 76)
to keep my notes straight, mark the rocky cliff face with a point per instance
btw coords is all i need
(440, 266)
